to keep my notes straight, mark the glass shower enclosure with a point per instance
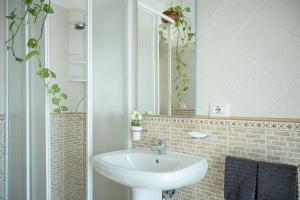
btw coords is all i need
(43, 154)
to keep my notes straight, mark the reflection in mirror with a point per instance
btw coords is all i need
(166, 54)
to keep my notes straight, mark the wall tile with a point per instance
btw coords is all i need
(296, 30)
(68, 156)
(286, 106)
(208, 7)
(284, 56)
(232, 67)
(285, 13)
(266, 140)
(249, 34)
(255, 94)
(258, 37)
(221, 30)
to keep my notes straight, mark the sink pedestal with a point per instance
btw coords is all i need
(144, 194)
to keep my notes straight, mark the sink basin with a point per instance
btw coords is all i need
(149, 173)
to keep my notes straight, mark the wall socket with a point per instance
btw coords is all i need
(219, 109)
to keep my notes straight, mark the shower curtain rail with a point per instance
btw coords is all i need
(146, 7)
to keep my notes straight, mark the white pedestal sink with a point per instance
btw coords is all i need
(148, 173)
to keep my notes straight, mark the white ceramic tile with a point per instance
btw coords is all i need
(211, 90)
(252, 4)
(206, 10)
(224, 25)
(228, 22)
(296, 89)
(296, 30)
(284, 60)
(258, 37)
(238, 108)
(259, 90)
(232, 67)
(286, 107)
(211, 44)
(285, 13)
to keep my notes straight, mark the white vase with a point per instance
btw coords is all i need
(136, 132)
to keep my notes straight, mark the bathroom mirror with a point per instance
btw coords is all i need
(166, 57)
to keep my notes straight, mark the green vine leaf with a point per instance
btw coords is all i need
(57, 110)
(19, 59)
(64, 108)
(43, 73)
(55, 101)
(63, 96)
(12, 15)
(33, 11)
(52, 74)
(31, 54)
(32, 43)
(48, 9)
(54, 89)
(27, 2)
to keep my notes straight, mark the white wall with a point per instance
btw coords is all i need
(249, 56)
(109, 89)
(59, 57)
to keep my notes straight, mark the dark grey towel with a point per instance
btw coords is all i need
(240, 179)
(277, 182)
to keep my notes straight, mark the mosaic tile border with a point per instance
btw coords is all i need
(270, 124)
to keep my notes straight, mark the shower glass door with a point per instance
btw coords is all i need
(2, 98)
(26, 133)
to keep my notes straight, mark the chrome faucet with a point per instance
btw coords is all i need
(160, 146)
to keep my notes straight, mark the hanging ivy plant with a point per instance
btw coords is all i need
(185, 38)
(33, 13)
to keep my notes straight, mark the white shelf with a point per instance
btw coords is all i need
(78, 62)
(77, 80)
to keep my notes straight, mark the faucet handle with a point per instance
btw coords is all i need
(160, 141)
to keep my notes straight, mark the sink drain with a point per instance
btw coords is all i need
(157, 161)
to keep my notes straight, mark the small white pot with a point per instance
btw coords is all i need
(136, 132)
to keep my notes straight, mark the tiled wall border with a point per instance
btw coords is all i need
(231, 122)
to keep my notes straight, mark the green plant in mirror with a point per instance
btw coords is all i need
(185, 39)
(35, 11)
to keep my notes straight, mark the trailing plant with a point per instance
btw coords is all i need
(32, 14)
(185, 38)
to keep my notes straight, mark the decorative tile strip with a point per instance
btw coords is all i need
(293, 125)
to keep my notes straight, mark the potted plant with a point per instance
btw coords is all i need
(185, 38)
(136, 125)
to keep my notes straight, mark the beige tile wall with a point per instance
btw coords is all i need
(68, 156)
(255, 139)
(2, 158)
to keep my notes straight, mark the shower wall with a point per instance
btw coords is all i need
(61, 49)
(68, 156)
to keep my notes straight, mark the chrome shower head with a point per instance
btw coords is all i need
(80, 26)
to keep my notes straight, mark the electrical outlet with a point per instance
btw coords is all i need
(219, 109)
